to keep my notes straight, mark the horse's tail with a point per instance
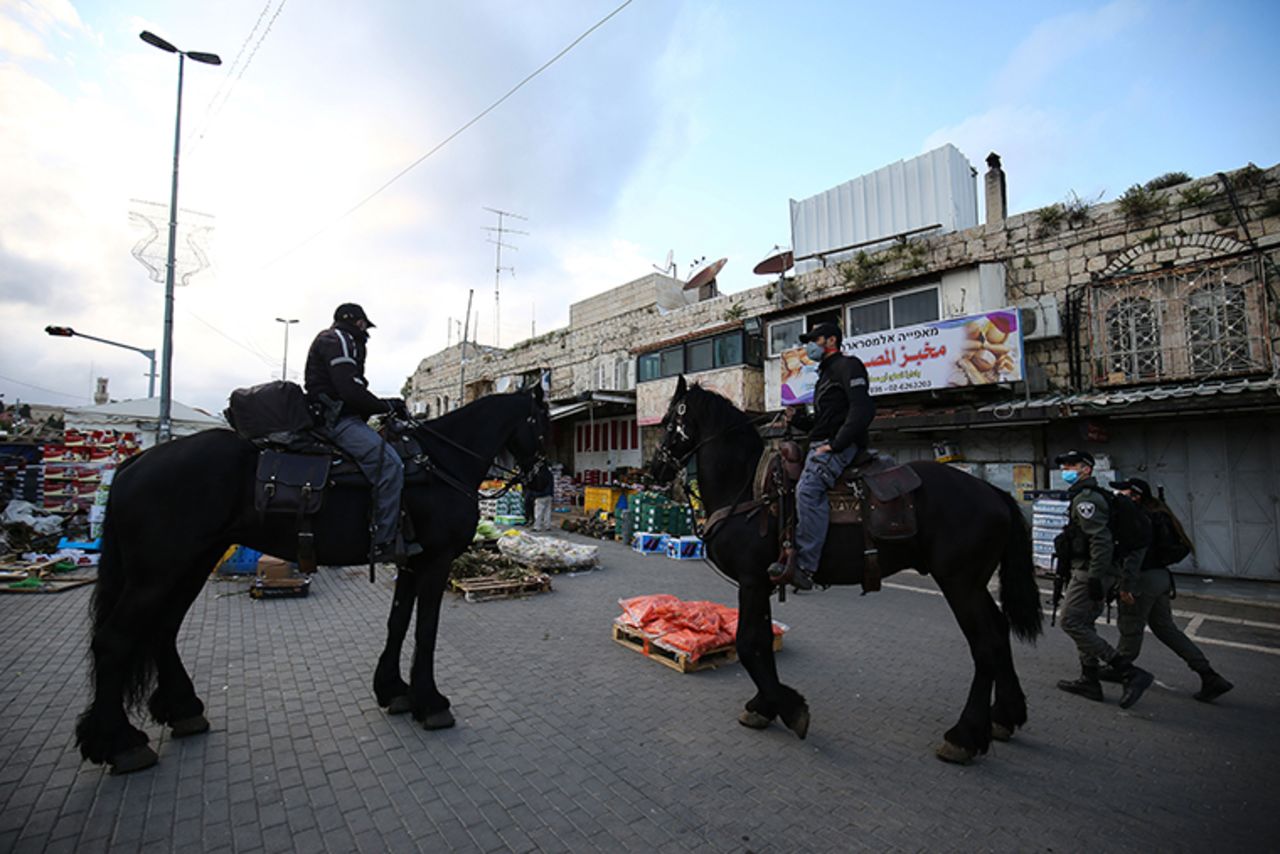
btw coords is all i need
(1019, 593)
(138, 665)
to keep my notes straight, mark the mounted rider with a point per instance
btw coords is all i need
(842, 412)
(336, 388)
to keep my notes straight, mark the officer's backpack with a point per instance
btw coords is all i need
(1167, 547)
(1129, 524)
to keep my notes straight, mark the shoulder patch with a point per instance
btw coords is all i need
(1086, 509)
(854, 383)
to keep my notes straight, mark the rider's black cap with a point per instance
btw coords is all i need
(351, 312)
(1073, 457)
(823, 330)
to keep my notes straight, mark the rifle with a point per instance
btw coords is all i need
(1061, 566)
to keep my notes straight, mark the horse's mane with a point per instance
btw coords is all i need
(451, 418)
(719, 411)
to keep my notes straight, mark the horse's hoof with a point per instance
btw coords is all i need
(755, 720)
(133, 759)
(193, 725)
(438, 720)
(949, 752)
(399, 705)
(1000, 732)
(799, 723)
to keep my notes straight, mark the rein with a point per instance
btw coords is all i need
(514, 476)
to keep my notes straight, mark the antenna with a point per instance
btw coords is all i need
(497, 265)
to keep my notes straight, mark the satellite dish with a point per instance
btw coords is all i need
(777, 262)
(668, 267)
(705, 276)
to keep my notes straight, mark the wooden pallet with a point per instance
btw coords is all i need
(491, 587)
(675, 659)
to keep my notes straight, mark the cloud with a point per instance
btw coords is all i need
(1053, 42)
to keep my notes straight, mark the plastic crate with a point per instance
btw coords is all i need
(649, 543)
(244, 561)
(684, 548)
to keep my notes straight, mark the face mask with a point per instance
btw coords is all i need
(814, 351)
(1071, 475)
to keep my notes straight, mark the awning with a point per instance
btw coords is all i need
(569, 410)
(1119, 398)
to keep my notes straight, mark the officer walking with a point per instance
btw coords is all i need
(1093, 574)
(336, 386)
(1149, 605)
(842, 411)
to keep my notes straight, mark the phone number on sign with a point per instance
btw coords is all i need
(891, 387)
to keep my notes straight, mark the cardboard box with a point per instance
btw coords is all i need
(274, 569)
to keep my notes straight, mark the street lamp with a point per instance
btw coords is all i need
(68, 332)
(165, 430)
(284, 366)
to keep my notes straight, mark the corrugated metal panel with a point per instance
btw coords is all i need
(936, 188)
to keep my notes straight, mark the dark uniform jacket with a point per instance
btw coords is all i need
(1093, 548)
(842, 405)
(335, 370)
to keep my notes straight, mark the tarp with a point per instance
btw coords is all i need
(140, 416)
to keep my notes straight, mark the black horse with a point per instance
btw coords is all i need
(966, 528)
(175, 509)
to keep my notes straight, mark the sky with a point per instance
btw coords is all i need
(675, 126)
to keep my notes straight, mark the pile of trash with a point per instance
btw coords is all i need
(485, 563)
(696, 627)
(24, 527)
(547, 554)
(590, 526)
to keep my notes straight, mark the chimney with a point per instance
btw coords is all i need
(997, 195)
(100, 396)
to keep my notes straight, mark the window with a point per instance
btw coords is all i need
(913, 308)
(728, 349)
(700, 356)
(649, 367)
(672, 361)
(1218, 330)
(893, 312)
(1133, 338)
(785, 335)
(869, 317)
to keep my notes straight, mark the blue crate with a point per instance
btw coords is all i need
(684, 548)
(87, 545)
(243, 561)
(649, 543)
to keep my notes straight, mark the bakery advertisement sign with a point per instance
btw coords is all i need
(981, 349)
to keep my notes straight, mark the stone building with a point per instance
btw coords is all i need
(1146, 333)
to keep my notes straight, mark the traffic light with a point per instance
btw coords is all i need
(60, 331)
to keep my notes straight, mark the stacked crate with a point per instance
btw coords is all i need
(1050, 512)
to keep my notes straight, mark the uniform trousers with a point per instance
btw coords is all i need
(1079, 615)
(1152, 608)
(381, 464)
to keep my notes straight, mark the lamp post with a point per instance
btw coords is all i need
(165, 429)
(284, 365)
(68, 332)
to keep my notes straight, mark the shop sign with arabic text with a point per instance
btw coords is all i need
(981, 349)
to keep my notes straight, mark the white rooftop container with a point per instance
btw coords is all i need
(938, 188)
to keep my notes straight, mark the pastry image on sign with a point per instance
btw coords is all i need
(987, 355)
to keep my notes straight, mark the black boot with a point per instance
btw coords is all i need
(1135, 680)
(1107, 673)
(1212, 685)
(1086, 686)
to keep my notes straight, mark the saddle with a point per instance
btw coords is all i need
(296, 464)
(873, 493)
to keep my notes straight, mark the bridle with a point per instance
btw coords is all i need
(521, 475)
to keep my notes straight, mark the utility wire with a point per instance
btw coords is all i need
(211, 112)
(247, 348)
(42, 388)
(451, 137)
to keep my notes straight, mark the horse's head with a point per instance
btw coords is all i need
(528, 442)
(679, 437)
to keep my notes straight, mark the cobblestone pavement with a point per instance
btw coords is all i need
(567, 741)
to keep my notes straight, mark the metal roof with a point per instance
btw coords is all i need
(1121, 397)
